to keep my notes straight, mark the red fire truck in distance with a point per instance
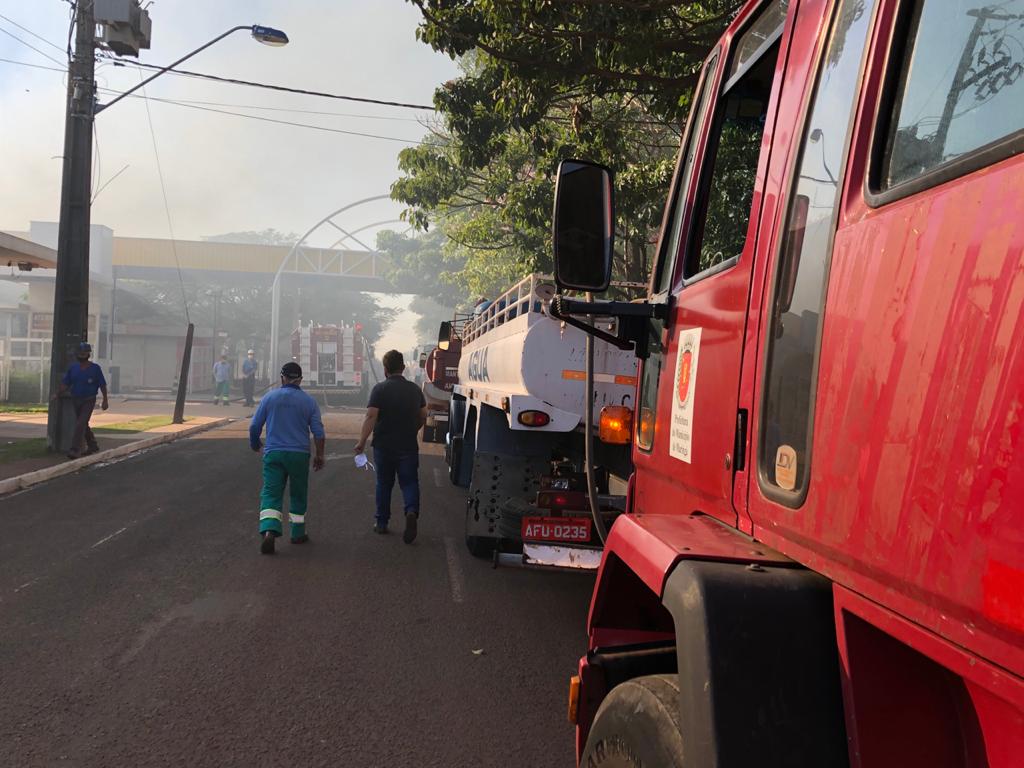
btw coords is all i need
(822, 563)
(332, 357)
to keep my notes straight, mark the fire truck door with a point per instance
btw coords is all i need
(327, 363)
(690, 386)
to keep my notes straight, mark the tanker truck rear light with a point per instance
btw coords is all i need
(558, 500)
(616, 425)
(534, 418)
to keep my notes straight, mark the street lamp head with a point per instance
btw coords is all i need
(269, 35)
(816, 135)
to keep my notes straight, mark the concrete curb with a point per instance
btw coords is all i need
(21, 482)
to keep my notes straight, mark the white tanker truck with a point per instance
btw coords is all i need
(516, 436)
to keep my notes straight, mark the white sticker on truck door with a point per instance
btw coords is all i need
(680, 442)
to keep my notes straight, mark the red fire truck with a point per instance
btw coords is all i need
(331, 357)
(441, 374)
(822, 563)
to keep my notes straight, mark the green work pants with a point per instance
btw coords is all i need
(281, 468)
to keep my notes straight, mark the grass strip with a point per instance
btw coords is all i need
(23, 408)
(18, 450)
(135, 425)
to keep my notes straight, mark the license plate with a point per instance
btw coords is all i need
(556, 529)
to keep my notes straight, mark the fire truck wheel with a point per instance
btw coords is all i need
(637, 725)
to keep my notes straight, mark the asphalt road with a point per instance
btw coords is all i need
(140, 626)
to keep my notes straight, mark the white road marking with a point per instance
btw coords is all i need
(454, 569)
(108, 538)
(437, 477)
(336, 456)
(28, 584)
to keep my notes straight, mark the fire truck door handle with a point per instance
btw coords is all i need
(740, 448)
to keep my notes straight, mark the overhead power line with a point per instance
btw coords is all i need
(263, 119)
(36, 36)
(200, 106)
(282, 88)
(34, 66)
(29, 45)
(216, 78)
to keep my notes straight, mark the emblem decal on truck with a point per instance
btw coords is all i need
(785, 467)
(681, 437)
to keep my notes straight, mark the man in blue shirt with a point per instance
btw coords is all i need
(83, 380)
(290, 415)
(249, 378)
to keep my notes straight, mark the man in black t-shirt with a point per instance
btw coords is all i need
(395, 413)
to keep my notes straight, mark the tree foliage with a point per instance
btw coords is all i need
(546, 80)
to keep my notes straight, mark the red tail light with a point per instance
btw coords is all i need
(534, 418)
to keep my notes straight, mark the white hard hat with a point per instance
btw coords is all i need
(251, 352)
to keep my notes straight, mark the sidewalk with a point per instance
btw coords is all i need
(23, 435)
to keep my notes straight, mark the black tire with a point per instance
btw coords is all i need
(481, 546)
(510, 524)
(637, 725)
(455, 459)
(429, 433)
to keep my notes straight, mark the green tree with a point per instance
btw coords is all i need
(544, 81)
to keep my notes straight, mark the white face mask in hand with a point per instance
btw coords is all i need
(364, 463)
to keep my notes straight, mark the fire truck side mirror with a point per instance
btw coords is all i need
(584, 226)
(444, 335)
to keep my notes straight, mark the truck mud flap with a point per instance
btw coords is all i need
(758, 666)
(500, 494)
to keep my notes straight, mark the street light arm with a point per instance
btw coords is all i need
(155, 75)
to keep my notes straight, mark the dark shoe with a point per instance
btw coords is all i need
(300, 539)
(378, 528)
(410, 528)
(267, 545)
(72, 455)
(92, 450)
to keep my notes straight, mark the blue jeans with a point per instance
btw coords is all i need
(406, 465)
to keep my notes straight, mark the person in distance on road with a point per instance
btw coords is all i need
(222, 379)
(249, 378)
(83, 379)
(395, 413)
(290, 416)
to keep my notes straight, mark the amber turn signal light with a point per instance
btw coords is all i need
(574, 698)
(616, 425)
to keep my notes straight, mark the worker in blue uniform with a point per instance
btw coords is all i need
(290, 415)
(83, 380)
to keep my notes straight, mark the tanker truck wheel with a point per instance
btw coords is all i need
(479, 546)
(429, 434)
(637, 725)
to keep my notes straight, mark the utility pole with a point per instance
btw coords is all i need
(71, 290)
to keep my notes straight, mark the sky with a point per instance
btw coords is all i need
(224, 173)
